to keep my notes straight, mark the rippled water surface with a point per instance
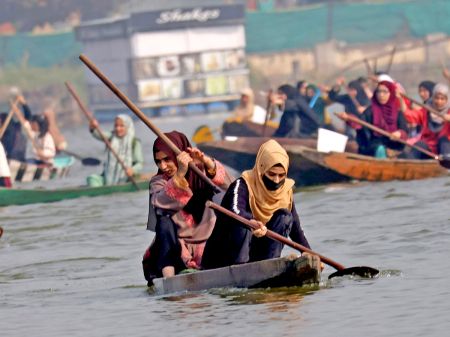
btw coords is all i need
(73, 268)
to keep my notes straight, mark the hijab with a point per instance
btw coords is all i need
(436, 123)
(200, 189)
(246, 110)
(385, 116)
(263, 203)
(428, 86)
(114, 172)
(361, 96)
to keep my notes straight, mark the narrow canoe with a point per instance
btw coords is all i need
(281, 272)
(241, 155)
(26, 172)
(368, 168)
(13, 196)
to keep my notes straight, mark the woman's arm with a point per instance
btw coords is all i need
(297, 233)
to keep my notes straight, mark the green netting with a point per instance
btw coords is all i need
(39, 51)
(352, 23)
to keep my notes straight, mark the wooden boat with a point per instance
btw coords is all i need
(280, 272)
(239, 128)
(26, 172)
(14, 196)
(361, 167)
(240, 155)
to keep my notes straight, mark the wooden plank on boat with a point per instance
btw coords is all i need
(279, 272)
(375, 169)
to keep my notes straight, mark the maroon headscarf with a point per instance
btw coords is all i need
(385, 116)
(201, 190)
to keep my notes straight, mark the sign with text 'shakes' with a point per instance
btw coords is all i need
(197, 14)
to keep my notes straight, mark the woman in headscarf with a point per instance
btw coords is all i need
(425, 93)
(128, 148)
(385, 112)
(247, 109)
(435, 135)
(177, 211)
(263, 195)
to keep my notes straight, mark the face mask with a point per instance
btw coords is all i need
(270, 184)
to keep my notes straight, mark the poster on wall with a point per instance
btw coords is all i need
(216, 85)
(237, 82)
(194, 88)
(235, 59)
(168, 66)
(190, 64)
(149, 90)
(144, 68)
(172, 88)
(212, 61)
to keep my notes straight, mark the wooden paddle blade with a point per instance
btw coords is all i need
(202, 134)
(445, 161)
(362, 271)
(90, 161)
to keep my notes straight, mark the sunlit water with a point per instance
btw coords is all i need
(73, 268)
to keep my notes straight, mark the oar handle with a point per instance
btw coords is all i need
(425, 106)
(387, 134)
(142, 116)
(275, 236)
(91, 118)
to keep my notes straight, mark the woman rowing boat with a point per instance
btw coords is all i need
(263, 195)
(127, 147)
(177, 211)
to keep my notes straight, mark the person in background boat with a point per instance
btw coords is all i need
(385, 112)
(14, 141)
(248, 110)
(295, 108)
(127, 147)
(263, 195)
(435, 135)
(355, 101)
(41, 140)
(58, 137)
(5, 173)
(177, 211)
(319, 103)
(301, 88)
(366, 86)
(425, 93)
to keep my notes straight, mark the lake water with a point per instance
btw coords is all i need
(73, 268)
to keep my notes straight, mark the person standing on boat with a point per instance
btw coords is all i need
(295, 107)
(385, 112)
(126, 145)
(263, 195)
(5, 173)
(177, 211)
(435, 135)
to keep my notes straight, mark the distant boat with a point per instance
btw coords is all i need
(26, 172)
(15, 196)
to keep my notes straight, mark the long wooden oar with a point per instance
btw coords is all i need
(444, 161)
(91, 118)
(362, 271)
(143, 118)
(7, 121)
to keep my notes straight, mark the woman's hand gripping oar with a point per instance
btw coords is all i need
(103, 137)
(341, 270)
(444, 161)
(144, 118)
